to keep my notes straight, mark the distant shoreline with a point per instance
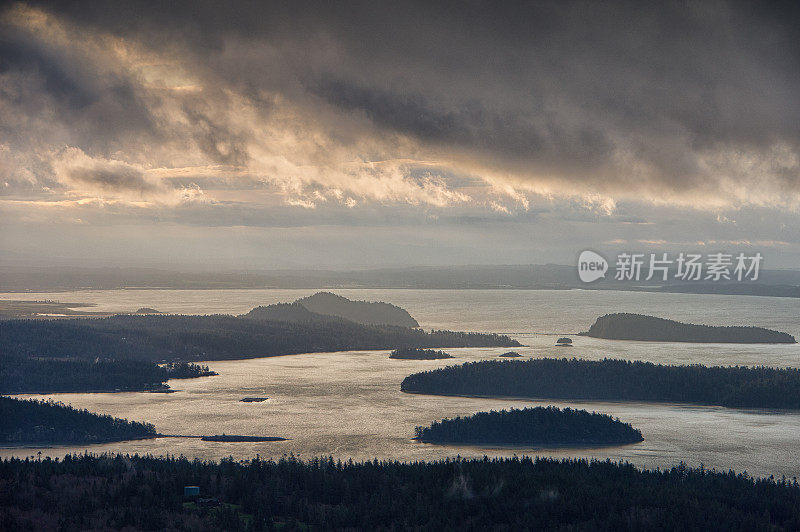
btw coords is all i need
(587, 288)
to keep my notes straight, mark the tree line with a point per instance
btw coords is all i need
(145, 493)
(33, 421)
(615, 380)
(531, 426)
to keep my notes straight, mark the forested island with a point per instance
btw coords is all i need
(415, 353)
(183, 338)
(510, 354)
(625, 326)
(614, 380)
(20, 374)
(531, 426)
(42, 422)
(84, 492)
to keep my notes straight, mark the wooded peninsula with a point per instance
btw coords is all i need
(19, 374)
(189, 338)
(624, 326)
(41, 422)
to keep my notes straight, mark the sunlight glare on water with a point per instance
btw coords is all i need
(349, 404)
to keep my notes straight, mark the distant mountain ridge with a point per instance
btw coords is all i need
(291, 312)
(325, 307)
(624, 326)
(363, 312)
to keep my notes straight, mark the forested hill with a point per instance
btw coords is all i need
(625, 326)
(84, 492)
(32, 421)
(363, 312)
(171, 338)
(614, 380)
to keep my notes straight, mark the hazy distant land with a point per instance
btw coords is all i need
(531, 426)
(614, 380)
(649, 328)
(10, 309)
(15, 309)
(774, 283)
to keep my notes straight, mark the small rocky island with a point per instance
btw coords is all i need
(510, 354)
(415, 353)
(253, 399)
(240, 439)
(147, 310)
(564, 342)
(625, 326)
(531, 426)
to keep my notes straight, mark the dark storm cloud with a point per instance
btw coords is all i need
(100, 107)
(617, 96)
(76, 167)
(124, 178)
(16, 54)
(215, 140)
(469, 126)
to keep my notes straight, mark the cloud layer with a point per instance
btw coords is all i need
(455, 110)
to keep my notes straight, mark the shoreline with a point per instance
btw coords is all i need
(530, 446)
(754, 410)
(587, 288)
(211, 438)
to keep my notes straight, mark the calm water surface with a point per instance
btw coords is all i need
(349, 405)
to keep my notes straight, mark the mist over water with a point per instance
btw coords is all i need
(349, 405)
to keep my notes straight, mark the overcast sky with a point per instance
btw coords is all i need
(266, 135)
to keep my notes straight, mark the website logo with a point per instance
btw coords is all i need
(663, 267)
(591, 266)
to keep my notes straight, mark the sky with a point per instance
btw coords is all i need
(337, 135)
